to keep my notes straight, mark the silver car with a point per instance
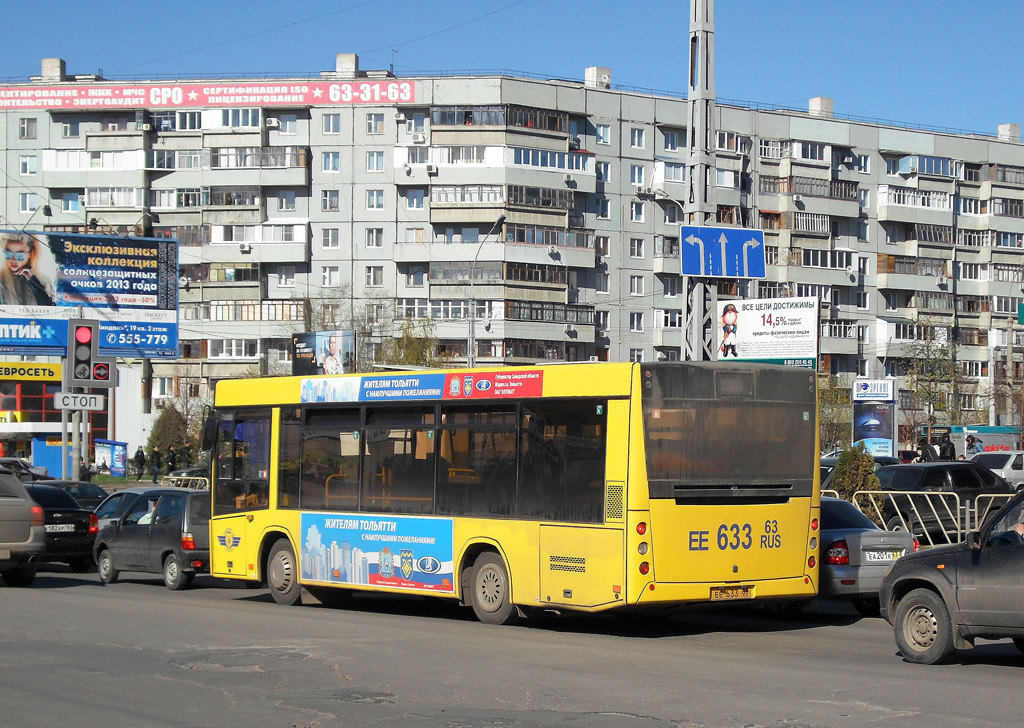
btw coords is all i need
(1007, 463)
(22, 532)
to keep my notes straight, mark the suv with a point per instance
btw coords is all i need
(944, 598)
(163, 532)
(22, 534)
(967, 479)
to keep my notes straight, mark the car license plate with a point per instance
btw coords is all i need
(721, 593)
(882, 555)
(60, 527)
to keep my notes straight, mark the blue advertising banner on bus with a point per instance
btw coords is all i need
(129, 284)
(403, 552)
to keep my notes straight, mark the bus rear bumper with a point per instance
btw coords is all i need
(799, 587)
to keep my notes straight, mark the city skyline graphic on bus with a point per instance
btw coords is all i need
(397, 552)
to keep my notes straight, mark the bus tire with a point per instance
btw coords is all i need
(283, 574)
(924, 631)
(490, 592)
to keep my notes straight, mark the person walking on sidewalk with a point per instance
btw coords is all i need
(140, 463)
(156, 462)
(172, 459)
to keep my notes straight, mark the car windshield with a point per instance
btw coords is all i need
(839, 514)
(993, 460)
(52, 497)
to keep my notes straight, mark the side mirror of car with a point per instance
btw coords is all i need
(974, 541)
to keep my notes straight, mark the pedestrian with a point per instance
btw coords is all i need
(140, 462)
(156, 462)
(186, 455)
(947, 450)
(172, 459)
(974, 445)
(926, 451)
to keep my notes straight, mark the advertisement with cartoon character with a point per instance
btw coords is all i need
(772, 330)
(404, 552)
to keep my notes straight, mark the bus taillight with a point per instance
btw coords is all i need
(641, 528)
(811, 562)
(644, 567)
(814, 524)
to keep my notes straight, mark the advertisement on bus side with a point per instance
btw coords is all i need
(403, 552)
(411, 386)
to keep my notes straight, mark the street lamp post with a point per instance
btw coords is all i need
(471, 341)
(655, 196)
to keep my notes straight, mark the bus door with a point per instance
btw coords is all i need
(229, 546)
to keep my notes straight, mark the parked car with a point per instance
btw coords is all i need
(116, 504)
(942, 599)
(22, 533)
(830, 463)
(1008, 464)
(967, 479)
(88, 495)
(165, 531)
(23, 470)
(855, 555)
(70, 529)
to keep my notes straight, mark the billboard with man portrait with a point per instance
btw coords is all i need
(323, 352)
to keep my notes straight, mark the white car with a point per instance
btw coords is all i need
(1007, 463)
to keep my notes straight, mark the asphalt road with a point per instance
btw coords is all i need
(133, 654)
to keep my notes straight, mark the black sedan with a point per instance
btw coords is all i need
(70, 529)
(88, 495)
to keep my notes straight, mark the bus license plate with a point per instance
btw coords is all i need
(720, 593)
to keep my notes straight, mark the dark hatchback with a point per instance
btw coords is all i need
(944, 598)
(967, 479)
(163, 532)
(70, 529)
(88, 495)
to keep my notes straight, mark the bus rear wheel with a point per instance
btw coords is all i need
(490, 592)
(283, 574)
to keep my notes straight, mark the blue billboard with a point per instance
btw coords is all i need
(129, 284)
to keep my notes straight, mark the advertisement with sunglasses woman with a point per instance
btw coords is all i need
(27, 276)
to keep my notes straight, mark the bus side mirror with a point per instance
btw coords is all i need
(208, 438)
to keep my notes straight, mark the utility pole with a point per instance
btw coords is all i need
(700, 207)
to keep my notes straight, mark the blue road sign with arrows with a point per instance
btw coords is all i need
(719, 252)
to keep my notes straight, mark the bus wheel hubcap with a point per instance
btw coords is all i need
(281, 573)
(491, 589)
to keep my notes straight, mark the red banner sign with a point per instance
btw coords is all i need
(487, 385)
(172, 96)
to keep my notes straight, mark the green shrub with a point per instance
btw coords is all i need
(855, 471)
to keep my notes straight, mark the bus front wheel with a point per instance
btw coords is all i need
(282, 574)
(490, 591)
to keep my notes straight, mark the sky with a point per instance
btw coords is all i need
(927, 63)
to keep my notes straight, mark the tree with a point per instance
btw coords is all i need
(855, 470)
(169, 429)
(834, 412)
(933, 375)
(415, 345)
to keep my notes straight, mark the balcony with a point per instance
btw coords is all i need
(908, 205)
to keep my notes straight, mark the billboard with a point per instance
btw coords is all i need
(873, 427)
(323, 352)
(772, 330)
(129, 284)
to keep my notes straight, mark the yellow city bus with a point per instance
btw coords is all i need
(587, 487)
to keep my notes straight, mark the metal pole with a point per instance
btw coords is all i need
(76, 442)
(64, 444)
(471, 340)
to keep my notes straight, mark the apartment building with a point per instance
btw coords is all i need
(361, 200)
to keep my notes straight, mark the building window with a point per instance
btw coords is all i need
(863, 198)
(636, 211)
(601, 283)
(671, 141)
(416, 276)
(672, 286)
(331, 238)
(330, 200)
(375, 199)
(604, 208)
(26, 128)
(603, 171)
(375, 123)
(636, 285)
(374, 237)
(375, 161)
(675, 172)
(332, 123)
(69, 201)
(636, 355)
(671, 214)
(241, 118)
(374, 276)
(288, 123)
(636, 174)
(636, 247)
(601, 244)
(862, 231)
(603, 133)
(636, 321)
(69, 129)
(330, 276)
(286, 200)
(332, 162)
(636, 138)
(27, 165)
(862, 163)
(27, 202)
(286, 276)
(414, 198)
(862, 300)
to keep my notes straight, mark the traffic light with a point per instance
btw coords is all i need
(85, 367)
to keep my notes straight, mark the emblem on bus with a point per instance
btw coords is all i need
(407, 563)
(229, 540)
(467, 386)
(428, 565)
(483, 385)
(386, 559)
(453, 388)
